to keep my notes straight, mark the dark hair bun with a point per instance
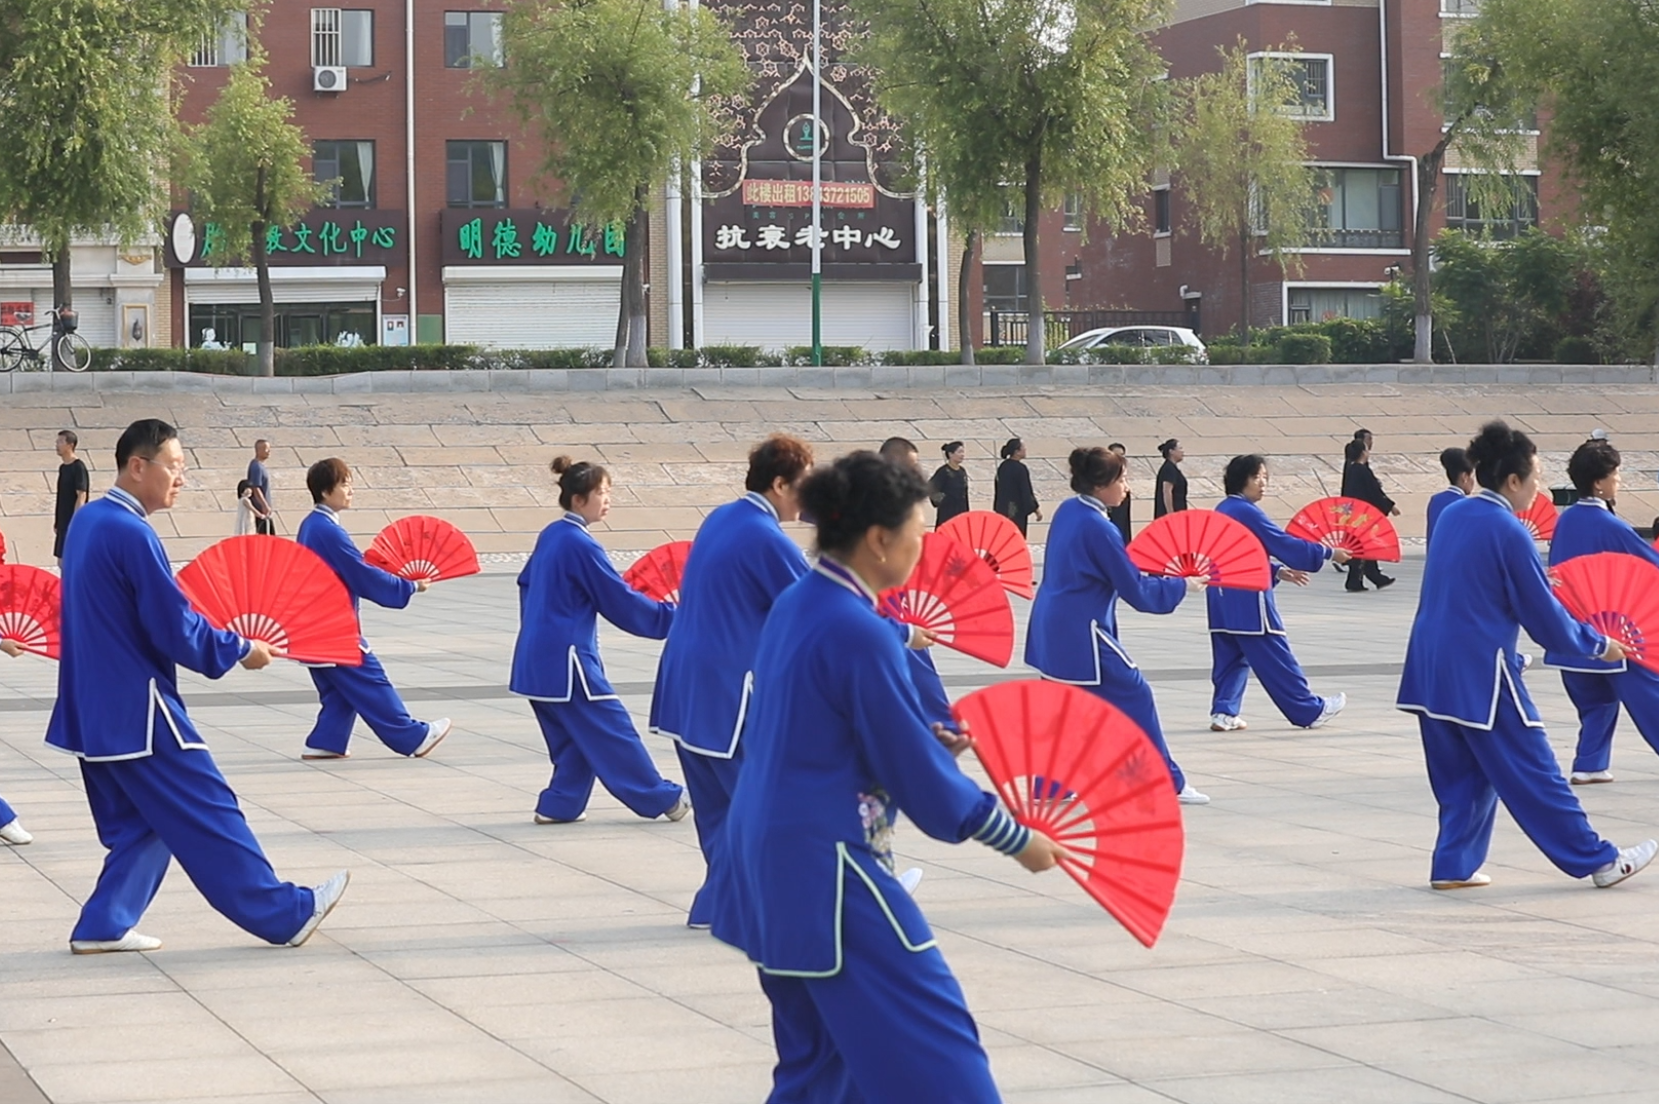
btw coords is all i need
(561, 464)
(856, 492)
(1092, 468)
(1498, 452)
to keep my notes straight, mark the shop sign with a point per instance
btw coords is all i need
(532, 236)
(324, 237)
(17, 314)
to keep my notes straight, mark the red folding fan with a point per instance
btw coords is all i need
(955, 595)
(1539, 518)
(997, 541)
(277, 591)
(1359, 527)
(421, 547)
(657, 573)
(31, 608)
(2, 548)
(1204, 544)
(1078, 770)
(1617, 594)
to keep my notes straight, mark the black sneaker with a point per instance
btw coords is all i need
(1385, 581)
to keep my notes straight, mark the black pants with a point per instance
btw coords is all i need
(1360, 570)
(265, 526)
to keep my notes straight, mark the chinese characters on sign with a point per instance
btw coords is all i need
(535, 236)
(324, 237)
(328, 240)
(735, 237)
(798, 193)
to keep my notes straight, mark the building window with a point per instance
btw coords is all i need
(348, 169)
(1310, 75)
(473, 40)
(1464, 212)
(228, 47)
(342, 36)
(1321, 304)
(1013, 215)
(1005, 287)
(477, 175)
(1525, 121)
(1357, 209)
(1161, 223)
(1459, 7)
(1072, 212)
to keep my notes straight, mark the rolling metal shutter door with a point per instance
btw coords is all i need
(875, 314)
(97, 318)
(286, 291)
(547, 314)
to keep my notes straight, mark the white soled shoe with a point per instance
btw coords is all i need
(577, 819)
(680, 809)
(132, 941)
(1226, 722)
(327, 896)
(14, 833)
(910, 879)
(1333, 706)
(435, 733)
(1630, 860)
(1473, 881)
(1579, 778)
(1190, 796)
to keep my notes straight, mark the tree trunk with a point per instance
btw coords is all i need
(1034, 335)
(63, 292)
(964, 282)
(1428, 185)
(1246, 241)
(633, 270)
(262, 272)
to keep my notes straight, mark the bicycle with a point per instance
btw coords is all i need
(73, 351)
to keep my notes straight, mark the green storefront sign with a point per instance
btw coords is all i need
(536, 236)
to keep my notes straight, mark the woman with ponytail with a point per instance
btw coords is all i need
(1014, 499)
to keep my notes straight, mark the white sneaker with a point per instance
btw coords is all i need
(680, 809)
(910, 879)
(1190, 796)
(1224, 722)
(132, 941)
(1333, 706)
(325, 755)
(13, 832)
(328, 895)
(577, 819)
(1579, 778)
(1630, 860)
(435, 733)
(1473, 881)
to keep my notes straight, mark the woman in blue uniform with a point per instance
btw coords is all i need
(567, 585)
(1073, 636)
(863, 1005)
(1597, 689)
(740, 562)
(347, 693)
(1460, 484)
(11, 829)
(1482, 736)
(1246, 633)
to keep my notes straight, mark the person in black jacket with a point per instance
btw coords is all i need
(948, 489)
(1358, 481)
(1013, 498)
(1119, 515)
(1170, 493)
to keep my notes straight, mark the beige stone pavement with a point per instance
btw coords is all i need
(480, 460)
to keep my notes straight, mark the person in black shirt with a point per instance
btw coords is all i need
(1119, 515)
(1014, 498)
(1171, 491)
(948, 489)
(74, 485)
(1358, 481)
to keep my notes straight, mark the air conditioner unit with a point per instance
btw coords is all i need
(328, 78)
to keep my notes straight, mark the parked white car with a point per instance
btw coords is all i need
(1141, 337)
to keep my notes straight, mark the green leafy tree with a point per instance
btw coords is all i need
(620, 91)
(245, 167)
(1033, 98)
(1511, 298)
(1243, 160)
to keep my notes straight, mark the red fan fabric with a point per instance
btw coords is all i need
(1204, 544)
(2, 548)
(956, 596)
(997, 541)
(275, 590)
(1359, 527)
(422, 547)
(657, 574)
(1080, 771)
(1618, 594)
(31, 604)
(1539, 518)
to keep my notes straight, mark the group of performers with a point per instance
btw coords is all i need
(804, 720)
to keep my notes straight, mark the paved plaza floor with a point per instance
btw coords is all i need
(479, 957)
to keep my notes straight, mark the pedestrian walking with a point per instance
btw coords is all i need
(74, 487)
(1170, 494)
(259, 485)
(948, 489)
(1012, 496)
(1120, 514)
(1359, 481)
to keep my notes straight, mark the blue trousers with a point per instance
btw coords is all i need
(175, 803)
(1235, 655)
(930, 689)
(351, 692)
(597, 739)
(710, 781)
(1597, 699)
(1470, 771)
(7, 815)
(891, 1026)
(1125, 687)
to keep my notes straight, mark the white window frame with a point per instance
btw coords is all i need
(1461, 12)
(1329, 114)
(228, 46)
(328, 45)
(1347, 285)
(1169, 196)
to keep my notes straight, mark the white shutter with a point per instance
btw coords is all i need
(874, 314)
(287, 291)
(524, 314)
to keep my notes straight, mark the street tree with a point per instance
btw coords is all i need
(620, 92)
(1024, 101)
(245, 168)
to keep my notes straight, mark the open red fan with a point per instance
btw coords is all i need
(1078, 770)
(997, 541)
(31, 602)
(421, 547)
(2, 548)
(1359, 527)
(657, 573)
(955, 595)
(1539, 518)
(1617, 594)
(1205, 544)
(276, 591)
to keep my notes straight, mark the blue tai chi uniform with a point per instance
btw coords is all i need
(739, 564)
(1437, 506)
(930, 688)
(1246, 633)
(863, 1006)
(351, 692)
(1482, 736)
(6, 813)
(151, 783)
(1073, 636)
(568, 583)
(1597, 689)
